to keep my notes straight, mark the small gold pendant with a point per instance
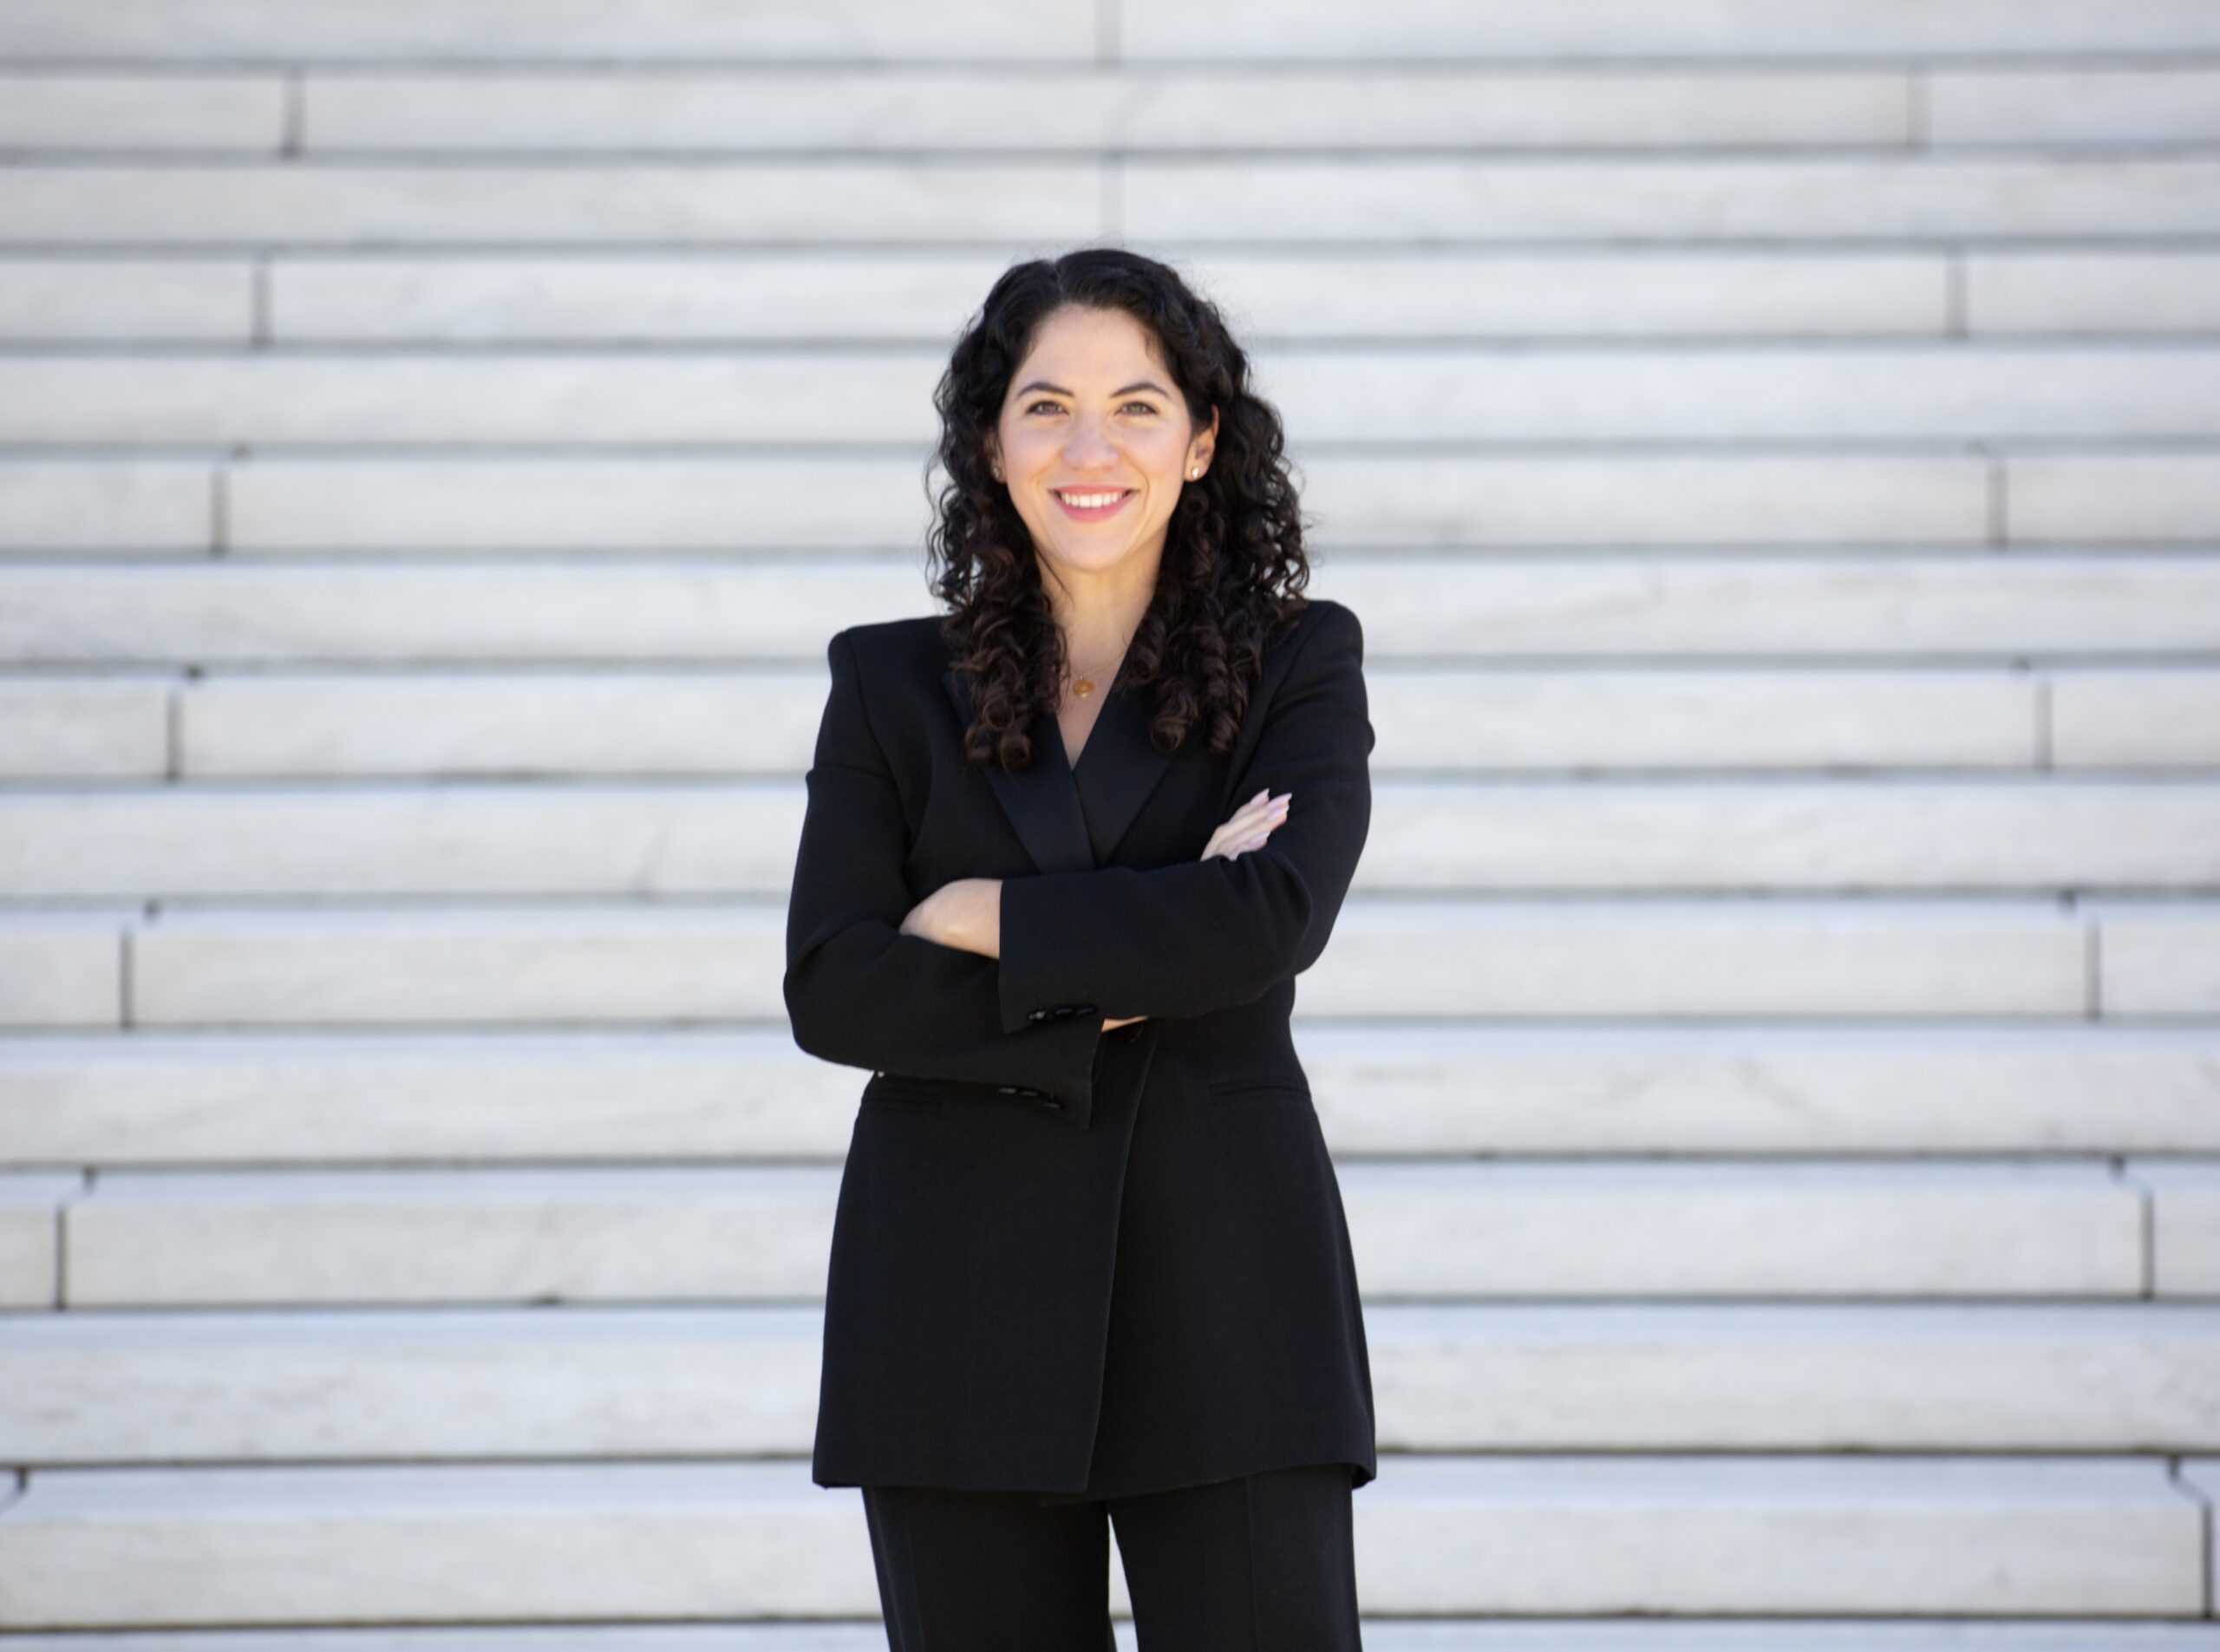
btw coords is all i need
(1084, 686)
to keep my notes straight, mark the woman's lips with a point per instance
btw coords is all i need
(1092, 514)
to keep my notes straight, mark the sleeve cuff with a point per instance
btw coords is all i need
(1030, 995)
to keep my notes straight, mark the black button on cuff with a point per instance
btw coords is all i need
(1036, 1015)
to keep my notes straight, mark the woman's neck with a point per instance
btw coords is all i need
(1098, 617)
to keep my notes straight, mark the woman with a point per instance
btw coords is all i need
(1067, 845)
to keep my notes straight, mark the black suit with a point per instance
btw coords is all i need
(1068, 1261)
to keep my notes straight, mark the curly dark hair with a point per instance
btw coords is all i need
(1233, 568)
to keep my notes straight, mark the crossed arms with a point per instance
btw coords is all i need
(1181, 940)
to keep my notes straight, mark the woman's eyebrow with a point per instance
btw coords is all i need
(1058, 389)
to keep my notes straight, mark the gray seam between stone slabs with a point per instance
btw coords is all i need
(72, 1197)
(2177, 1474)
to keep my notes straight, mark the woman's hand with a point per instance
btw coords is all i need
(1245, 828)
(1248, 826)
(966, 914)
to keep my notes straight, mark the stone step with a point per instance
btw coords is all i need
(610, 963)
(65, 968)
(89, 1387)
(1503, 1229)
(1942, 607)
(1440, 293)
(1936, 507)
(763, 720)
(2186, 1210)
(1146, 106)
(787, 295)
(1414, 30)
(1442, 719)
(797, 295)
(606, 963)
(2165, 959)
(30, 1236)
(107, 506)
(684, 31)
(86, 728)
(688, 31)
(241, 114)
(1127, 107)
(1380, 1634)
(794, 394)
(1060, 198)
(600, 840)
(2019, 1536)
(1787, 502)
(212, 1098)
(47, 301)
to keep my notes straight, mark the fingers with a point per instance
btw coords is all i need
(1259, 809)
(1249, 826)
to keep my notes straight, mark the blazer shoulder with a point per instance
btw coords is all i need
(900, 647)
(1323, 626)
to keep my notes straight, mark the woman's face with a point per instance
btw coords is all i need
(1095, 443)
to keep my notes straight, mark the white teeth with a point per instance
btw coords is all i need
(1090, 501)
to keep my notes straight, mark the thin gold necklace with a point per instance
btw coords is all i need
(1083, 685)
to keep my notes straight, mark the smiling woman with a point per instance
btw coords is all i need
(1090, 1265)
(1116, 501)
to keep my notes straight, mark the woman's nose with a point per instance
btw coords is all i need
(1088, 444)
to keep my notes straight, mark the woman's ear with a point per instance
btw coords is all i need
(1205, 444)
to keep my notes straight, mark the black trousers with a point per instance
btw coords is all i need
(1262, 1564)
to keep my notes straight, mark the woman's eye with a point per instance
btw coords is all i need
(1057, 407)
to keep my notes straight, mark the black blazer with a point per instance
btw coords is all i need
(1065, 1260)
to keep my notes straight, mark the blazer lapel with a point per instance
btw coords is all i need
(1039, 798)
(1068, 821)
(1118, 769)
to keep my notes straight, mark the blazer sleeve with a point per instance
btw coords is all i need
(1206, 935)
(860, 992)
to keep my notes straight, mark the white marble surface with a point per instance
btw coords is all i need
(2159, 959)
(1393, 1088)
(682, 31)
(48, 299)
(2185, 1223)
(106, 505)
(782, 394)
(629, 1540)
(83, 729)
(1270, 294)
(1129, 106)
(2071, 499)
(1419, 956)
(1533, 607)
(1882, 29)
(732, 837)
(240, 113)
(361, 1383)
(1494, 1230)
(189, 205)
